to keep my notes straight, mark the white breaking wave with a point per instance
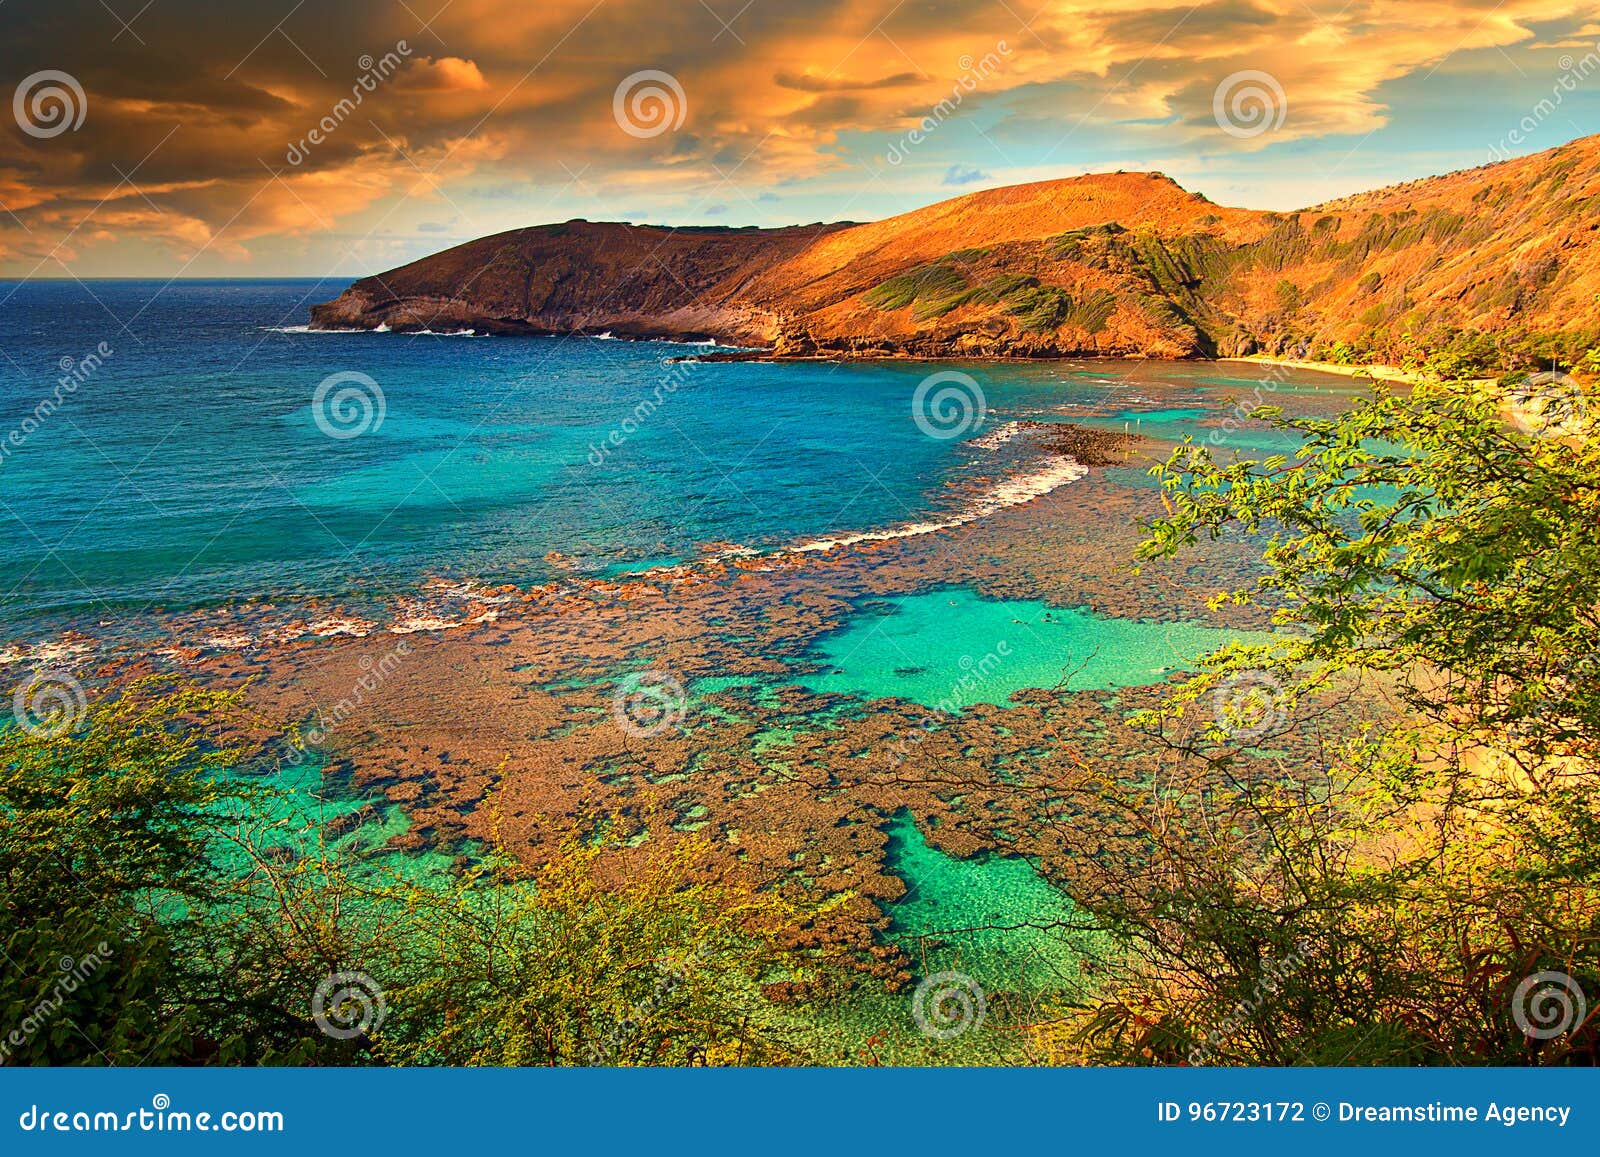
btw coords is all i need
(306, 329)
(703, 343)
(379, 329)
(709, 343)
(998, 437)
(1017, 491)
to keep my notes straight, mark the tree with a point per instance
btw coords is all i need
(579, 965)
(102, 848)
(1433, 565)
(161, 906)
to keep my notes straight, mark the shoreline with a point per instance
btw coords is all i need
(1380, 373)
(725, 350)
(440, 603)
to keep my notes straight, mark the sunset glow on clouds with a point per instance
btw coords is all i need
(494, 115)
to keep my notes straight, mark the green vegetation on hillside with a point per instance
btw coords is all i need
(1307, 288)
(940, 287)
(1428, 560)
(1432, 561)
(161, 909)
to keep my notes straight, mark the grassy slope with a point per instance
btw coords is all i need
(1121, 263)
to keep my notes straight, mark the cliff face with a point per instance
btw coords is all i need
(1125, 264)
(580, 277)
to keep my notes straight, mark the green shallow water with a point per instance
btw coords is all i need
(988, 925)
(309, 818)
(993, 917)
(952, 648)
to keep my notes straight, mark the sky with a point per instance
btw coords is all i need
(225, 138)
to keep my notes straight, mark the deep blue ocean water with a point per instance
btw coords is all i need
(189, 466)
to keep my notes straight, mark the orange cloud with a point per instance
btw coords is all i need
(190, 139)
(447, 74)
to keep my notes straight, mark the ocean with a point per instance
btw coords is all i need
(165, 446)
(830, 618)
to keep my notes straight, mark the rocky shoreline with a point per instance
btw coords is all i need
(517, 702)
(1110, 265)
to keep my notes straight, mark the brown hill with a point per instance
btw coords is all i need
(1123, 264)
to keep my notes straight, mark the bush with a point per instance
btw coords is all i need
(162, 908)
(1435, 571)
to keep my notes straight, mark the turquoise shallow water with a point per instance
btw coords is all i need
(993, 915)
(310, 816)
(993, 947)
(188, 467)
(952, 648)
